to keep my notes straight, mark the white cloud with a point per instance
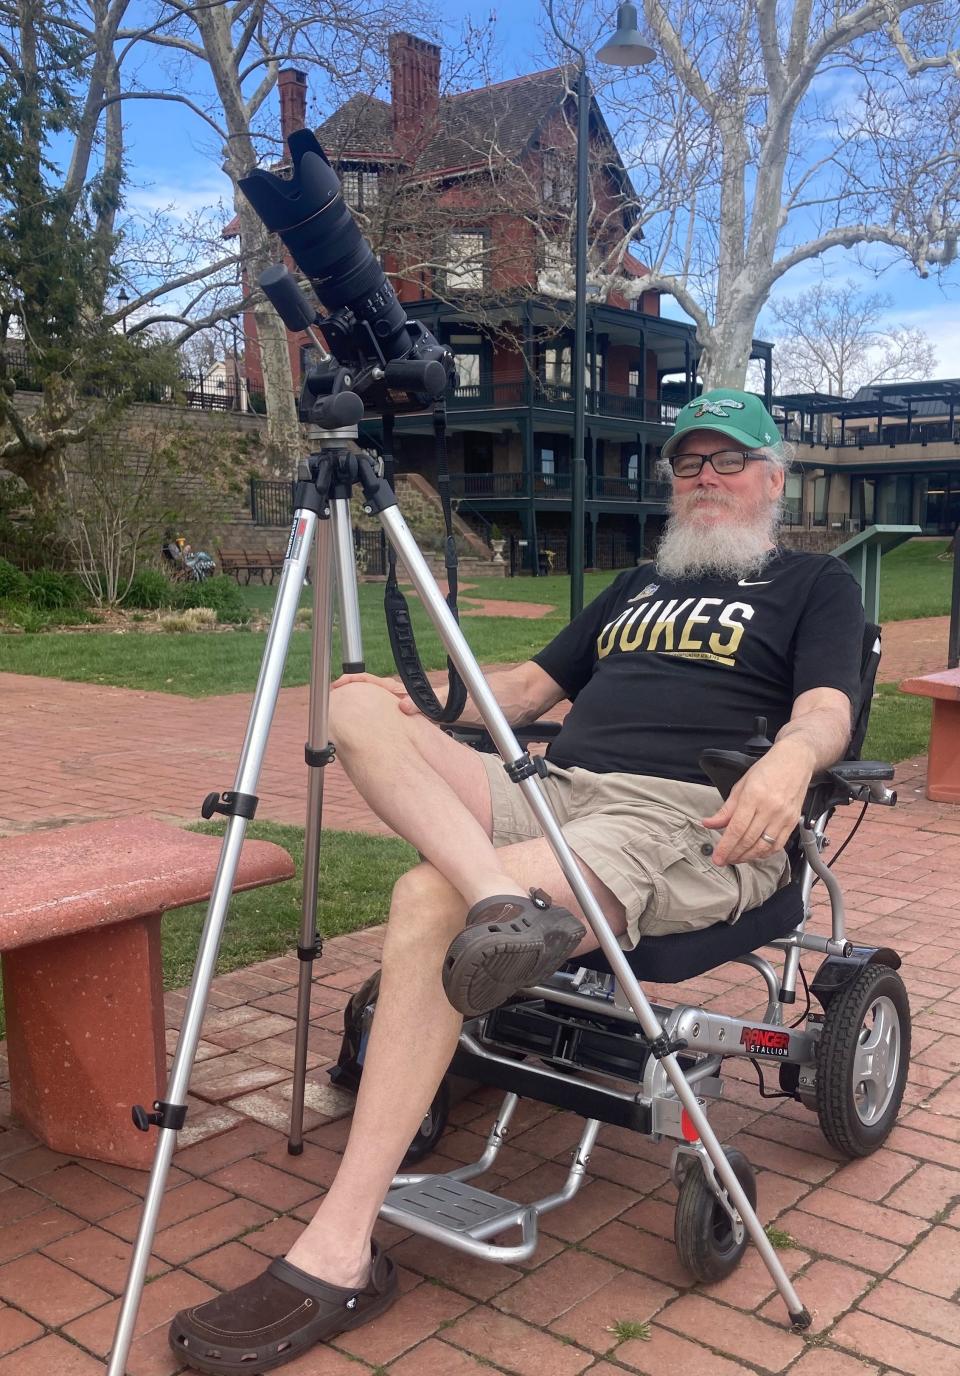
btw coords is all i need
(179, 200)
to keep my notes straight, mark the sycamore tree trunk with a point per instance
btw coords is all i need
(283, 429)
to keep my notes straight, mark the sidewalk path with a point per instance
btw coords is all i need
(77, 751)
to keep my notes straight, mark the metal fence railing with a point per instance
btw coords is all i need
(271, 503)
(195, 390)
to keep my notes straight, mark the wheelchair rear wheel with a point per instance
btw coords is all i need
(862, 1061)
(702, 1228)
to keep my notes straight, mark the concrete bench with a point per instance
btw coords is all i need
(943, 763)
(80, 911)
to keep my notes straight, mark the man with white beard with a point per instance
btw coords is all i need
(675, 656)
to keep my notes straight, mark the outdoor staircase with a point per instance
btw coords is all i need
(422, 510)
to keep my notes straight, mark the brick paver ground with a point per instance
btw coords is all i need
(875, 1244)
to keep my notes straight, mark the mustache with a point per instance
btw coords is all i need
(701, 495)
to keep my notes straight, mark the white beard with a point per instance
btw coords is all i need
(690, 548)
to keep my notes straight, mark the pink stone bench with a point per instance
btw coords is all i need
(943, 754)
(80, 911)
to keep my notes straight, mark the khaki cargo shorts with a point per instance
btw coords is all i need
(642, 837)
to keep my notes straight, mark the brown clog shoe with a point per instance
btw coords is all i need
(276, 1317)
(508, 942)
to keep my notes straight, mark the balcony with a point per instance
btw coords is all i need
(604, 487)
(559, 396)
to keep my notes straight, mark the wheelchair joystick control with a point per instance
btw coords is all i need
(759, 743)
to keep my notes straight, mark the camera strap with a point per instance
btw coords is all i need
(399, 624)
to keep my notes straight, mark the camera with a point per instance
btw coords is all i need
(377, 353)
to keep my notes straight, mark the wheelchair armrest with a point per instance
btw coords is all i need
(848, 780)
(479, 738)
(863, 780)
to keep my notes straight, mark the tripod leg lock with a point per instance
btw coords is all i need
(230, 804)
(313, 952)
(165, 1115)
(662, 1046)
(316, 759)
(525, 766)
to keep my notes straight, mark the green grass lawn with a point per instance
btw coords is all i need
(357, 874)
(915, 582)
(200, 664)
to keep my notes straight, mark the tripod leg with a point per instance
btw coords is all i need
(503, 738)
(318, 755)
(170, 1112)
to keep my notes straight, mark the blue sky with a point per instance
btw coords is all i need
(173, 159)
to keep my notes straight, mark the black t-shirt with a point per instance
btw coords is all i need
(659, 669)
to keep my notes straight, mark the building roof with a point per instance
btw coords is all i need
(507, 116)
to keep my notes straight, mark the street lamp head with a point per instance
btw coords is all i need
(122, 297)
(626, 48)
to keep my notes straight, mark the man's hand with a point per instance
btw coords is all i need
(767, 801)
(406, 704)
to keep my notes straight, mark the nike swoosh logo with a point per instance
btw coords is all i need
(742, 583)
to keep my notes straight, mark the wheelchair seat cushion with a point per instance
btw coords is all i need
(678, 956)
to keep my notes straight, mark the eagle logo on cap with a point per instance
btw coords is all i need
(715, 408)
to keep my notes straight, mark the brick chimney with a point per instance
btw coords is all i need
(293, 101)
(414, 86)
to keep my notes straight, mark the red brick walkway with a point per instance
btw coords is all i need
(875, 1245)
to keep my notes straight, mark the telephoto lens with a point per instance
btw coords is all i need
(309, 214)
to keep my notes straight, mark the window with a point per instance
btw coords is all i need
(633, 382)
(556, 257)
(466, 355)
(548, 466)
(633, 468)
(361, 189)
(556, 366)
(558, 178)
(465, 261)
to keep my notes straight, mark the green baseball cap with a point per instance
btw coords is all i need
(739, 415)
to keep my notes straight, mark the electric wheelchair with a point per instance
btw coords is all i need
(575, 1043)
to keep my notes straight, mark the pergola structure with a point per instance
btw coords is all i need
(904, 403)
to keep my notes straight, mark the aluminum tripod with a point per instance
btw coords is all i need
(334, 471)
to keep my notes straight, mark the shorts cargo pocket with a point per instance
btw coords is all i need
(688, 891)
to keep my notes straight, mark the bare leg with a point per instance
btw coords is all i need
(430, 789)
(413, 1037)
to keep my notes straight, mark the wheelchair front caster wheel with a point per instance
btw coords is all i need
(862, 1061)
(702, 1228)
(431, 1128)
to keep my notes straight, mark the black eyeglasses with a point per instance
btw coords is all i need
(722, 461)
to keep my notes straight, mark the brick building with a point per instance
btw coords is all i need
(469, 201)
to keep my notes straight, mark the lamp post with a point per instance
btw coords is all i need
(624, 49)
(122, 299)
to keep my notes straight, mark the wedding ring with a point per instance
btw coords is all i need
(770, 840)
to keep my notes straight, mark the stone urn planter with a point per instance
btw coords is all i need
(498, 546)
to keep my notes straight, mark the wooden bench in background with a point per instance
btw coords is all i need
(249, 562)
(80, 911)
(943, 761)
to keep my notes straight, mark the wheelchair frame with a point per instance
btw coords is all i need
(577, 1024)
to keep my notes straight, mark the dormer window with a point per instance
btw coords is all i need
(361, 188)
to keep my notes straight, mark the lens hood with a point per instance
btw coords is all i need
(283, 203)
